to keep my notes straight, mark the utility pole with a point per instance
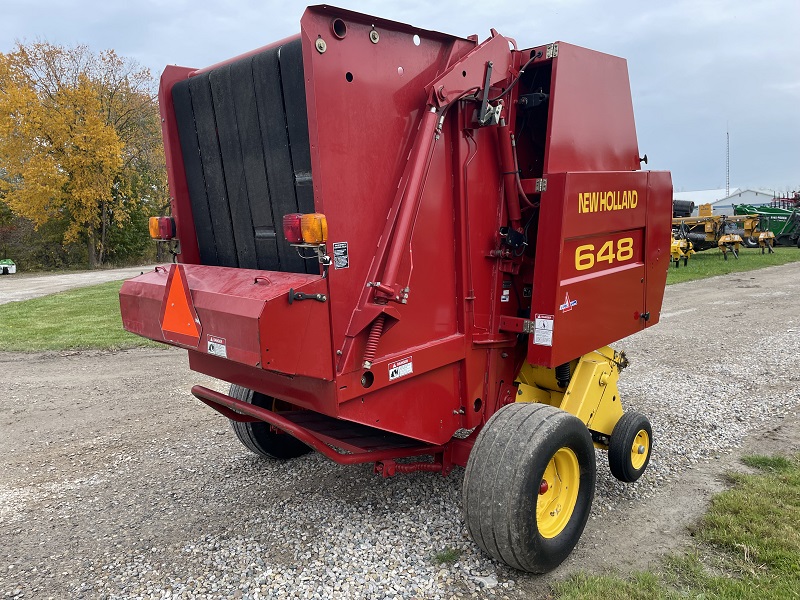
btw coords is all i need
(727, 162)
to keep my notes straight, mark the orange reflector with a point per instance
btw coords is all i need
(153, 226)
(314, 227)
(179, 320)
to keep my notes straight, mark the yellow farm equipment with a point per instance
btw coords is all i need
(705, 231)
(681, 246)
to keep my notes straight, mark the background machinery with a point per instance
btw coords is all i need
(412, 249)
(782, 223)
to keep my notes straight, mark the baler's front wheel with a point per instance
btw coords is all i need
(630, 447)
(259, 437)
(529, 486)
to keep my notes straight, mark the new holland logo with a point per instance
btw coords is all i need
(568, 304)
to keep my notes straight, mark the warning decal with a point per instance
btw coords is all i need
(543, 330)
(341, 259)
(400, 368)
(217, 346)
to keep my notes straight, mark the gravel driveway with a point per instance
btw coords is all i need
(23, 286)
(116, 483)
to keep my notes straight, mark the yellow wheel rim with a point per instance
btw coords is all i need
(640, 449)
(558, 493)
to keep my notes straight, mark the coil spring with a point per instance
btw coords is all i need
(563, 375)
(418, 466)
(372, 341)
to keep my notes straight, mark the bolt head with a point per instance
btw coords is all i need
(321, 45)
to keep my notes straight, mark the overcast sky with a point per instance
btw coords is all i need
(696, 66)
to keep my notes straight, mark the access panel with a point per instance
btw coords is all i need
(590, 284)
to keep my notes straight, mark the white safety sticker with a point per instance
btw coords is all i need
(217, 346)
(400, 368)
(543, 330)
(341, 257)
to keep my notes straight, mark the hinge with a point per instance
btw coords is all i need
(517, 325)
(552, 50)
(541, 185)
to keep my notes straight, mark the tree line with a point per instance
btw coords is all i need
(81, 157)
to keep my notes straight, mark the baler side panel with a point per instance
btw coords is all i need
(365, 102)
(589, 280)
(659, 231)
(591, 124)
(185, 221)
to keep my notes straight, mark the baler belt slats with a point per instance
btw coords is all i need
(244, 139)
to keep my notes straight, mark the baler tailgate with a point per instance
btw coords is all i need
(240, 315)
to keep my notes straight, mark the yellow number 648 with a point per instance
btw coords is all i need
(586, 258)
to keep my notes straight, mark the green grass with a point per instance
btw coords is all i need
(748, 546)
(710, 263)
(447, 556)
(78, 319)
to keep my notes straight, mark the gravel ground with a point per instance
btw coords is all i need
(109, 492)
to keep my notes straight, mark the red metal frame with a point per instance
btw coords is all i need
(229, 407)
(419, 192)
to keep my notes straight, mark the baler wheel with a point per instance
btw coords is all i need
(259, 437)
(529, 486)
(630, 447)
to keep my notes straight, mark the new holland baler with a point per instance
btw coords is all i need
(412, 249)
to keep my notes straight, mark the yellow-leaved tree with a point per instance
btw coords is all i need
(79, 142)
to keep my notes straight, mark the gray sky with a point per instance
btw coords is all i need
(696, 66)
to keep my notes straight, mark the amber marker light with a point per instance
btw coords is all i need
(314, 228)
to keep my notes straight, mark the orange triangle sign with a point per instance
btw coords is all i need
(179, 320)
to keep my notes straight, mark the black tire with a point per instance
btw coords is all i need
(632, 428)
(258, 437)
(749, 242)
(502, 485)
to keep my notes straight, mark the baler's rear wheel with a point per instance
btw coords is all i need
(529, 486)
(630, 447)
(259, 437)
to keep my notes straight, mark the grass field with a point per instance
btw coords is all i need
(78, 319)
(710, 263)
(748, 546)
(89, 317)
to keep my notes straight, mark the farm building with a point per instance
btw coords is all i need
(721, 203)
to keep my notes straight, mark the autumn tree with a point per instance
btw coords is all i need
(79, 142)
